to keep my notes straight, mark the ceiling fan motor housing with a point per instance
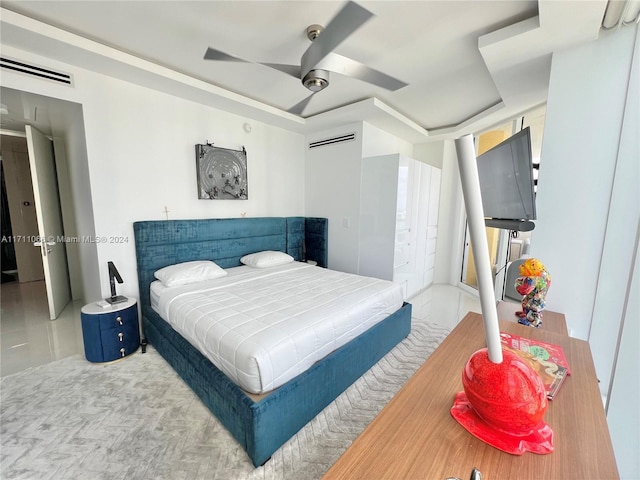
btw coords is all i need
(313, 31)
(316, 80)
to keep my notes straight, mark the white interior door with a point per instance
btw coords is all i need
(50, 228)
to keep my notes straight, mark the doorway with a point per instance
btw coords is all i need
(63, 122)
(28, 338)
(21, 241)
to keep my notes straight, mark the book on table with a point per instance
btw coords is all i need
(547, 359)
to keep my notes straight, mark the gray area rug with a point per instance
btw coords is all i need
(136, 419)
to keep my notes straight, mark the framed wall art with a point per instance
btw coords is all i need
(222, 173)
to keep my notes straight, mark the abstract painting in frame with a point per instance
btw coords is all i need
(222, 173)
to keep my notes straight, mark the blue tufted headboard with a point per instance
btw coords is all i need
(224, 240)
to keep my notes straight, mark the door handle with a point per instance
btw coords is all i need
(41, 244)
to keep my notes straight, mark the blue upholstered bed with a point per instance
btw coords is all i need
(263, 424)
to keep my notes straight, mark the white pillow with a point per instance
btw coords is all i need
(189, 272)
(268, 258)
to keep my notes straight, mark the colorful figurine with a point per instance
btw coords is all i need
(533, 283)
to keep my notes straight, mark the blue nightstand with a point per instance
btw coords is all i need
(110, 333)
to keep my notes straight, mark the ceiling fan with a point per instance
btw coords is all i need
(320, 59)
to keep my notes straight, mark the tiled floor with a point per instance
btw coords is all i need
(444, 305)
(29, 338)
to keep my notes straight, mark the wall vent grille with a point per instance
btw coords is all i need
(332, 141)
(35, 71)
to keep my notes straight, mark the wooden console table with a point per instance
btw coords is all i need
(415, 436)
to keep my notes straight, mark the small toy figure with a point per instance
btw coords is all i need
(533, 283)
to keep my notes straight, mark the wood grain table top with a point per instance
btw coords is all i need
(415, 436)
(551, 321)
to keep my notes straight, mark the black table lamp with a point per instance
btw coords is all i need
(113, 276)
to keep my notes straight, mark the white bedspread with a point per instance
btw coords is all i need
(263, 327)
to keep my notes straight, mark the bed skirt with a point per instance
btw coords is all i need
(263, 426)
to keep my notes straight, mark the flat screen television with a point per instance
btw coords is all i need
(506, 183)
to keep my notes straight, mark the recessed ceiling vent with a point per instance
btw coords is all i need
(35, 71)
(332, 141)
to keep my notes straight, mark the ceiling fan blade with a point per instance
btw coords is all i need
(293, 70)
(213, 54)
(348, 20)
(299, 107)
(352, 68)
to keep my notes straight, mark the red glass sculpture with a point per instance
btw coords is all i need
(503, 404)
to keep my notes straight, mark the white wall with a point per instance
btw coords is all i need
(378, 207)
(74, 140)
(67, 125)
(430, 153)
(624, 396)
(333, 185)
(582, 129)
(618, 244)
(589, 208)
(376, 141)
(333, 191)
(140, 146)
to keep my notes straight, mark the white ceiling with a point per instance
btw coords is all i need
(469, 64)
